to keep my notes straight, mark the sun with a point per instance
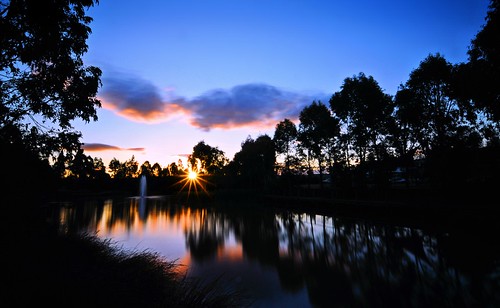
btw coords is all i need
(193, 181)
(192, 175)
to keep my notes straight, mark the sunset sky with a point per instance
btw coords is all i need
(176, 72)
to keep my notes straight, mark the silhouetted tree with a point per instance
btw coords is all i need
(426, 104)
(317, 133)
(212, 160)
(364, 112)
(82, 166)
(44, 84)
(174, 169)
(146, 169)
(131, 167)
(156, 170)
(482, 73)
(285, 139)
(100, 169)
(410, 124)
(255, 161)
(116, 168)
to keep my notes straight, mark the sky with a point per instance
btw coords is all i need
(177, 72)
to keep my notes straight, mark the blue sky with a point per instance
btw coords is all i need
(176, 72)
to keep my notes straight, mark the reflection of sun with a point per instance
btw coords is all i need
(193, 181)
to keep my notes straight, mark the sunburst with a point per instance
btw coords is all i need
(193, 181)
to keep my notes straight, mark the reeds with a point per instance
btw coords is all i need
(86, 271)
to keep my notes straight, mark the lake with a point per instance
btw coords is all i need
(297, 258)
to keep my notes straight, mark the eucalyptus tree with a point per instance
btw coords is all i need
(475, 83)
(128, 169)
(100, 169)
(484, 65)
(156, 170)
(174, 169)
(211, 159)
(44, 84)
(410, 125)
(425, 104)
(116, 169)
(131, 167)
(285, 141)
(317, 134)
(146, 169)
(82, 166)
(364, 112)
(255, 161)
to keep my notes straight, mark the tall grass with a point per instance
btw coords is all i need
(86, 271)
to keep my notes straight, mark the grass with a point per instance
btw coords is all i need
(43, 267)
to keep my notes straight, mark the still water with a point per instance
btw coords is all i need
(297, 259)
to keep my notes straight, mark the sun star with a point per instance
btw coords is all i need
(193, 181)
(192, 175)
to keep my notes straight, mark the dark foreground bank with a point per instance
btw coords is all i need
(46, 268)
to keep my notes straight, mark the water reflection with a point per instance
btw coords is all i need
(297, 259)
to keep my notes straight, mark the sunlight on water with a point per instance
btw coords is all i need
(286, 257)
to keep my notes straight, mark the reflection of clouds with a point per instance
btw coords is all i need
(244, 105)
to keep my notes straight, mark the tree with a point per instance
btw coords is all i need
(174, 169)
(410, 125)
(212, 160)
(146, 169)
(82, 166)
(364, 111)
(44, 84)
(426, 105)
(100, 169)
(285, 137)
(156, 170)
(255, 161)
(483, 69)
(317, 132)
(116, 168)
(131, 167)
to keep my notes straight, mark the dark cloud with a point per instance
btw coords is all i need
(244, 105)
(96, 147)
(251, 104)
(136, 99)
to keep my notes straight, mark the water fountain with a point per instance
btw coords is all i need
(142, 195)
(142, 187)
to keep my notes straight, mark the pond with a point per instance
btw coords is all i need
(292, 258)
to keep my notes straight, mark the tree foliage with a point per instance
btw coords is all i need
(285, 138)
(211, 159)
(44, 84)
(364, 112)
(255, 161)
(484, 65)
(426, 104)
(317, 132)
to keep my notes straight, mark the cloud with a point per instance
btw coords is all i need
(97, 147)
(253, 104)
(136, 99)
(245, 105)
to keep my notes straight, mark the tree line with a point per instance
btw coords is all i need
(446, 115)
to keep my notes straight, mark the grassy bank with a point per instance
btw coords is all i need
(45, 267)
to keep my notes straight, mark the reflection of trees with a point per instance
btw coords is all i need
(341, 262)
(345, 263)
(350, 262)
(205, 234)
